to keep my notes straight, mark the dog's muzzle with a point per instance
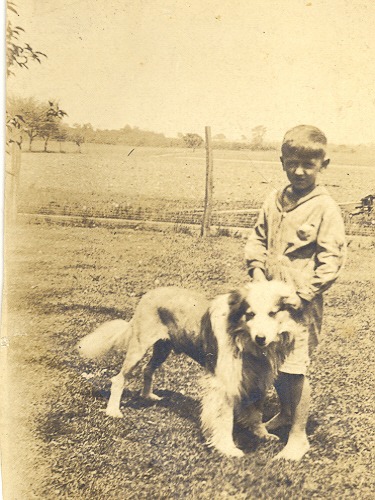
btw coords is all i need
(260, 340)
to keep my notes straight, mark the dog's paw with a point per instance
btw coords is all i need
(262, 433)
(233, 452)
(114, 413)
(229, 450)
(269, 437)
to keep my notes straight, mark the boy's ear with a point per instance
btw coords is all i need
(325, 164)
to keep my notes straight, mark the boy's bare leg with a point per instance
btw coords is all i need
(284, 417)
(294, 392)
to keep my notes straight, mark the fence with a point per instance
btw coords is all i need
(12, 176)
(161, 186)
(240, 218)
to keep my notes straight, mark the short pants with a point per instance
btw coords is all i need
(306, 339)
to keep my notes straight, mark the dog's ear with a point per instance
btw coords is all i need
(237, 305)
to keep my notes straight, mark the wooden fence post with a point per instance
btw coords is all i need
(206, 222)
(12, 176)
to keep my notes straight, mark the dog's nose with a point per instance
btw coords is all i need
(260, 340)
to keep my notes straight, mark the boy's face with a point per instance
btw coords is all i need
(302, 169)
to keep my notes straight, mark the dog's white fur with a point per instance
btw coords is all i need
(241, 338)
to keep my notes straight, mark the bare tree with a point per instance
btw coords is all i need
(30, 113)
(62, 136)
(193, 141)
(49, 125)
(219, 137)
(257, 137)
(77, 136)
(38, 119)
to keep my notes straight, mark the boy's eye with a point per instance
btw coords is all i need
(272, 314)
(249, 315)
(292, 165)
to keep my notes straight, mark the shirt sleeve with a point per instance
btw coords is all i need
(256, 245)
(330, 255)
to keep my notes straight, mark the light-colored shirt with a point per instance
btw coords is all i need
(303, 245)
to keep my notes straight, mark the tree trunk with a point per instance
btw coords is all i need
(45, 144)
(30, 142)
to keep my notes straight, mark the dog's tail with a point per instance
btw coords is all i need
(111, 334)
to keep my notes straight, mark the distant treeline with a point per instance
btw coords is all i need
(29, 119)
(134, 136)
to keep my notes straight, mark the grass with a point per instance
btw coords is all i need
(62, 282)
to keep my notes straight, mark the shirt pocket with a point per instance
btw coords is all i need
(303, 240)
(307, 233)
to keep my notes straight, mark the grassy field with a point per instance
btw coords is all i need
(105, 176)
(63, 281)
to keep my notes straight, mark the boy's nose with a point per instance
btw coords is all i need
(299, 170)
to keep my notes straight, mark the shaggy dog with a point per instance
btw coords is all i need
(241, 338)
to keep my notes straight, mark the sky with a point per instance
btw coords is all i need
(176, 66)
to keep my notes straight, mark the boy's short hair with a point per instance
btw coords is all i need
(304, 139)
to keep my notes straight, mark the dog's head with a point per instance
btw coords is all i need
(258, 310)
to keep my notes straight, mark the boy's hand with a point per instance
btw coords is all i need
(294, 301)
(258, 275)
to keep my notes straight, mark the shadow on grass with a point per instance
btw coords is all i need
(178, 404)
(188, 408)
(109, 311)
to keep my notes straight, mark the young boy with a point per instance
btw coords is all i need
(300, 239)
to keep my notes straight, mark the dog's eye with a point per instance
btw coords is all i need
(249, 315)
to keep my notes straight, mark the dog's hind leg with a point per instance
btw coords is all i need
(113, 407)
(134, 355)
(162, 349)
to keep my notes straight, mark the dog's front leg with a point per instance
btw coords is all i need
(161, 351)
(217, 420)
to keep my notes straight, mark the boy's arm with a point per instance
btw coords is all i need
(330, 255)
(256, 248)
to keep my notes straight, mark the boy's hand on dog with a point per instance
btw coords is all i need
(258, 275)
(294, 301)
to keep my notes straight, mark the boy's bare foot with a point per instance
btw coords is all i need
(295, 448)
(151, 397)
(279, 420)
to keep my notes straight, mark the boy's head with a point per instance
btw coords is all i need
(303, 156)
(304, 139)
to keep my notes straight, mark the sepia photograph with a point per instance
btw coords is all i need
(188, 250)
